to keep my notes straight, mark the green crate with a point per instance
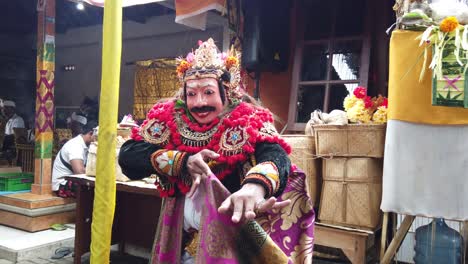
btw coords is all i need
(17, 181)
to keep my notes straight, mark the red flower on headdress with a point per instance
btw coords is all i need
(360, 92)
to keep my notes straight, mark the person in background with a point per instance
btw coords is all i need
(77, 121)
(71, 159)
(2, 116)
(89, 108)
(31, 131)
(13, 121)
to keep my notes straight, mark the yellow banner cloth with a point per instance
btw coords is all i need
(104, 194)
(410, 100)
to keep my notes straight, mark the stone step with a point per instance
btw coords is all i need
(17, 245)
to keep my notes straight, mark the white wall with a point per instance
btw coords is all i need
(159, 37)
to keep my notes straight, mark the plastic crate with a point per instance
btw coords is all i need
(18, 181)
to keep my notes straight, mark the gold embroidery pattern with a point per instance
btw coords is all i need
(299, 205)
(216, 245)
(268, 221)
(303, 251)
(271, 253)
(268, 129)
(155, 132)
(193, 138)
(256, 232)
(232, 141)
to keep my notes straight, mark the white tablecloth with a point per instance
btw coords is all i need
(426, 170)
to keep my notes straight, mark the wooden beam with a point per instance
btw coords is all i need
(396, 241)
(383, 239)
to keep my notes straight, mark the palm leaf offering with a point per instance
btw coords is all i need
(449, 86)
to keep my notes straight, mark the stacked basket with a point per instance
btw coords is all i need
(303, 155)
(352, 174)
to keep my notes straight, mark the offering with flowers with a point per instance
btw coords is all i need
(449, 43)
(361, 108)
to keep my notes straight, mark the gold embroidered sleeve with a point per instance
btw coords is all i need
(265, 174)
(169, 163)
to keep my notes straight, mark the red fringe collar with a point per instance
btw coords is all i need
(241, 130)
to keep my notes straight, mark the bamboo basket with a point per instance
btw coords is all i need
(303, 156)
(352, 192)
(359, 140)
(91, 164)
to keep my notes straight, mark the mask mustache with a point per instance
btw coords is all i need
(203, 109)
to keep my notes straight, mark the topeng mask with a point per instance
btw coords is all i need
(206, 62)
(203, 99)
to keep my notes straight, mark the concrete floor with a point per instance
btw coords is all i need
(18, 245)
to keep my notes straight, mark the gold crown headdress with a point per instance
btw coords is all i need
(207, 62)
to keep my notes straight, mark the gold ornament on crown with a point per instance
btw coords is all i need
(208, 62)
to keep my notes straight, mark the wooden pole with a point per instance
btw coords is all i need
(396, 241)
(383, 239)
(45, 84)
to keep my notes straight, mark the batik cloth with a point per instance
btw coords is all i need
(278, 236)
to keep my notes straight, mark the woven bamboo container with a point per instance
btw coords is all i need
(351, 193)
(124, 132)
(91, 164)
(357, 140)
(303, 155)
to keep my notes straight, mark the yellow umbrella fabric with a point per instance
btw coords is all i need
(104, 198)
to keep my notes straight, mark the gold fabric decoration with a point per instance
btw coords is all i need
(291, 213)
(217, 245)
(268, 129)
(303, 252)
(194, 138)
(154, 80)
(232, 140)
(155, 132)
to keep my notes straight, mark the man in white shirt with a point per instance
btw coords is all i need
(13, 121)
(71, 159)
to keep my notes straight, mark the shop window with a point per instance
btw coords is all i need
(331, 56)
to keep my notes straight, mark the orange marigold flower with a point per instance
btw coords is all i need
(231, 61)
(449, 24)
(183, 67)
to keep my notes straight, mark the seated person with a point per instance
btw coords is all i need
(71, 159)
(13, 121)
(31, 136)
(89, 108)
(75, 122)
